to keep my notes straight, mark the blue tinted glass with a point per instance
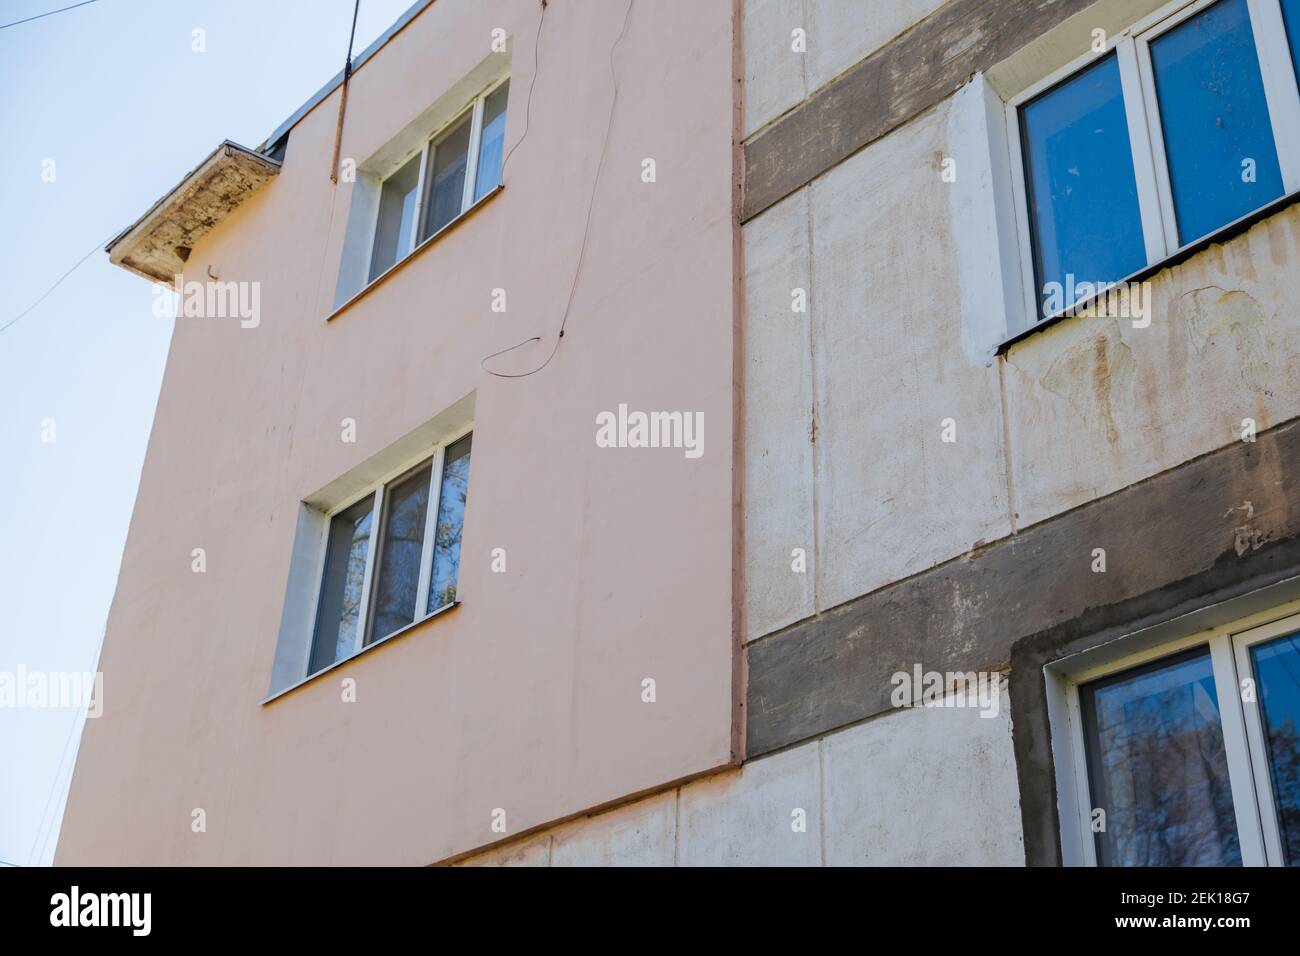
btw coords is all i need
(1277, 678)
(1291, 13)
(1218, 141)
(1157, 766)
(1079, 176)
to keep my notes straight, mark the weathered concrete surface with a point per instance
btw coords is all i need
(838, 33)
(1095, 404)
(747, 817)
(774, 73)
(157, 245)
(643, 833)
(532, 850)
(736, 818)
(893, 498)
(1221, 520)
(842, 32)
(1106, 423)
(903, 79)
(931, 786)
(779, 479)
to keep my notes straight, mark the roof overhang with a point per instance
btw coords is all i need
(158, 244)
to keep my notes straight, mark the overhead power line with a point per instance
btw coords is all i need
(50, 13)
(57, 282)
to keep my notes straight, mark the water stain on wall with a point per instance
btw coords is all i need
(1215, 316)
(1093, 375)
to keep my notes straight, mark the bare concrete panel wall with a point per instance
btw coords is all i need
(928, 786)
(780, 484)
(862, 463)
(893, 381)
(842, 32)
(775, 75)
(1096, 404)
(794, 47)
(1083, 428)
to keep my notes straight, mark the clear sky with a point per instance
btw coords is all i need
(117, 97)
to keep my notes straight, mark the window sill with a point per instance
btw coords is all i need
(397, 266)
(401, 632)
(1220, 235)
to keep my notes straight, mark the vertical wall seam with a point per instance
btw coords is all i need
(821, 795)
(813, 425)
(677, 825)
(1006, 442)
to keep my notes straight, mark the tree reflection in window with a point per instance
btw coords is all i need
(1157, 766)
(401, 540)
(1277, 675)
(338, 612)
(451, 522)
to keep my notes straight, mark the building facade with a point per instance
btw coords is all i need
(914, 481)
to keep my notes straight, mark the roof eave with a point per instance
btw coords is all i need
(156, 246)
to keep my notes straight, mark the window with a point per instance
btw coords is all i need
(1275, 664)
(379, 578)
(1187, 122)
(450, 522)
(1210, 95)
(1080, 180)
(395, 230)
(1188, 754)
(347, 555)
(1291, 18)
(450, 172)
(1157, 766)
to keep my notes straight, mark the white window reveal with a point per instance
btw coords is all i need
(1186, 123)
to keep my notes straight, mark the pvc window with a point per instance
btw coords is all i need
(1187, 754)
(432, 187)
(391, 555)
(1185, 123)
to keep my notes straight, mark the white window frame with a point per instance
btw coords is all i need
(377, 488)
(1146, 139)
(1242, 642)
(425, 151)
(1243, 739)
